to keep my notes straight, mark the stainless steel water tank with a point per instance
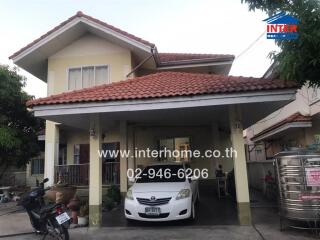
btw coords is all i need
(298, 175)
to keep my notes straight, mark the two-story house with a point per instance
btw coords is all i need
(108, 89)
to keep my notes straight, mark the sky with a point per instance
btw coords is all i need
(188, 26)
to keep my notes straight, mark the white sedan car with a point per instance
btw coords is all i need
(162, 192)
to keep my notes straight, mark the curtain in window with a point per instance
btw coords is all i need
(87, 77)
(74, 78)
(37, 166)
(102, 75)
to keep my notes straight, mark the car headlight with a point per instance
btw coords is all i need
(184, 193)
(129, 194)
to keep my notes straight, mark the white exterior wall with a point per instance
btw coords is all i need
(89, 50)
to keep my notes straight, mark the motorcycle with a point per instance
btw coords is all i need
(46, 219)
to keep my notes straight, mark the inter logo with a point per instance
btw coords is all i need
(282, 26)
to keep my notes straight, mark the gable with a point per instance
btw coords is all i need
(33, 57)
(63, 40)
(88, 45)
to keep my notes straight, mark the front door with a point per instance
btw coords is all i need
(84, 153)
(84, 163)
(111, 164)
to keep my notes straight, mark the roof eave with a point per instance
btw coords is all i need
(79, 19)
(191, 64)
(266, 135)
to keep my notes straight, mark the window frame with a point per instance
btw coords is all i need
(38, 172)
(188, 160)
(76, 155)
(94, 74)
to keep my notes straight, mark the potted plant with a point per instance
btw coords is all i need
(83, 217)
(112, 198)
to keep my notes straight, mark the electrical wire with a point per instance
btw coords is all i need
(250, 46)
(279, 111)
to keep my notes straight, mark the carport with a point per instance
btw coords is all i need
(211, 110)
(210, 211)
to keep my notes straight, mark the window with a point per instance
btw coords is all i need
(179, 144)
(110, 148)
(62, 154)
(88, 76)
(37, 166)
(101, 75)
(76, 154)
(81, 153)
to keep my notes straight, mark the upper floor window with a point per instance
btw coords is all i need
(88, 76)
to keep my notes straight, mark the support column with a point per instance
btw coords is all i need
(123, 159)
(215, 144)
(51, 151)
(95, 173)
(240, 165)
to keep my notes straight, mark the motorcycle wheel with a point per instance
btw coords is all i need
(57, 232)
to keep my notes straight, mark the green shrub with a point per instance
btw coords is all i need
(109, 203)
(112, 198)
(114, 194)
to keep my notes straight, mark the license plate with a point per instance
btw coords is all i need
(152, 210)
(62, 218)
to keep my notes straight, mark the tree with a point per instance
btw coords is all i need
(18, 126)
(298, 60)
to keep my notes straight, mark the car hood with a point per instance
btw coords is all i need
(158, 187)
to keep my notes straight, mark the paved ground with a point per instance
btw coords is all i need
(13, 220)
(174, 233)
(264, 216)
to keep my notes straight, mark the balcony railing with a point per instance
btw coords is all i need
(74, 174)
(78, 174)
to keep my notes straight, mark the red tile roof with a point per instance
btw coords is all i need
(296, 117)
(80, 14)
(177, 57)
(165, 84)
(164, 58)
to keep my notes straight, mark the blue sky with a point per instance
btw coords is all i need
(192, 26)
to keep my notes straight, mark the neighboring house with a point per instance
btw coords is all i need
(28, 174)
(108, 89)
(294, 125)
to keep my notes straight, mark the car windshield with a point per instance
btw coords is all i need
(162, 173)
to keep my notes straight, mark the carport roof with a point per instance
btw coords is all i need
(165, 85)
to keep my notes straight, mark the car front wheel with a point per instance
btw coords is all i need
(193, 211)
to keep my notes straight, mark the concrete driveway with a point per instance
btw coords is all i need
(174, 233)
(210, 211)
(264, 216)
(13, 220)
